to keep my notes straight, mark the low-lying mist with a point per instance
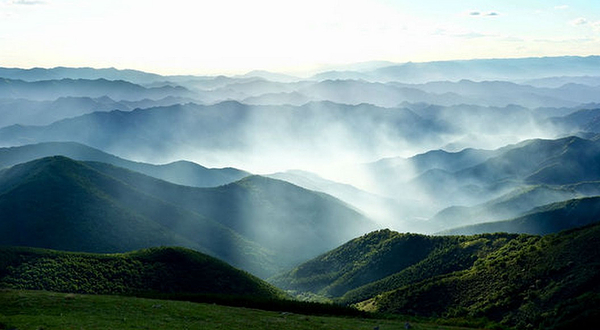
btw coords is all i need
(405, 154)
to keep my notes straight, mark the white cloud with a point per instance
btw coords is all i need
(579, 21)
(513, 39)
(473, 35)
(480, 13)
(561, 7)
(28, 2)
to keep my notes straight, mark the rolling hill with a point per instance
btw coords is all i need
(258, 224)
(296, 223)
(61, 204)
(516, 280)
(161, 270)
(548, 282)
(382, 260)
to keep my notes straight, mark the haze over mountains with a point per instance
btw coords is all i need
(266, 171)
(394, 110)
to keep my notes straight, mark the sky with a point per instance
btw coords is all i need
(237, 36)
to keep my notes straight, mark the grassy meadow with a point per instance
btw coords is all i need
(39, 310)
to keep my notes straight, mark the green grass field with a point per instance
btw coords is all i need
(38, 310)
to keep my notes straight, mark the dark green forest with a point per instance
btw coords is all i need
(161, 270)
(522, 281)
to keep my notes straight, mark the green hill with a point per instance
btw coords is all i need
(61, 204)
(258, 224)
(379, 261)
(156, 270)
(533, 282)
(297, 223)
(517, 280)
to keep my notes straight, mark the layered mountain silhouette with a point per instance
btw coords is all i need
(391, 94)
(57, 73)
(232, 127)
(115, 89)
(481, 69)
(552, 162)
(454, 189)
(30, 112)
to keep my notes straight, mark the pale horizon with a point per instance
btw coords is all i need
(297, 38)
(295, 74)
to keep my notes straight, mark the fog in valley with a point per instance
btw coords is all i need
(280, 169)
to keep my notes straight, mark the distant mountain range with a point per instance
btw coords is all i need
(115, 89)
(28, 112)
(530, 82)
(454, 189)
(481, 69)
(541, 220)
(170, 132)
(232, 127)
(58, 73)
(525, 69)
(392, 94)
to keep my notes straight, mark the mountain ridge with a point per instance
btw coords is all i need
(178, 172)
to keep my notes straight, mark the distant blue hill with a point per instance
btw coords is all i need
(477, 69)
